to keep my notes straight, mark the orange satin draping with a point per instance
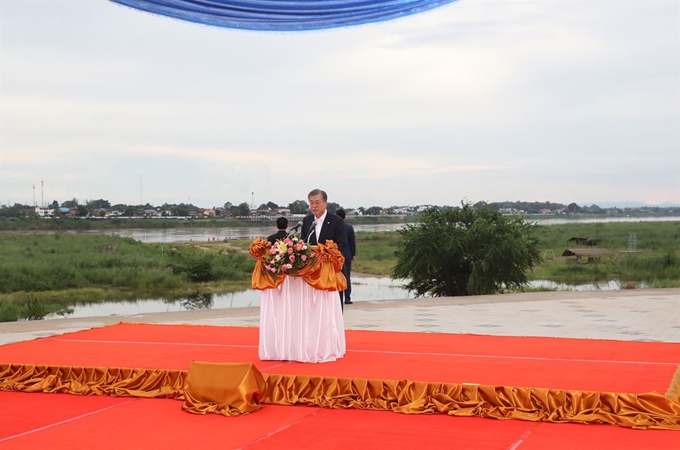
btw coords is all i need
(230, 389)
(116, 382)
(649, 410)
(324, 271)
(674, 389)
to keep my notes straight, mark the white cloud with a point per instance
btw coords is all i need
(489, 100)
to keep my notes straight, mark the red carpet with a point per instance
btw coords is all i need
(67, 421)
(131, 423)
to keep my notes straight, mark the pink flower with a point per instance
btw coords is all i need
(287, 240)
(290, 250)
(292, 258)
(272, 251)
(303, 257)
(298, 247)
(312, 255)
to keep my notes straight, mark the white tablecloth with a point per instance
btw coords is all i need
(300, 323)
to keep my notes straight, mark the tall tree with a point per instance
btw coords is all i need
(243, 209)
(466, 251)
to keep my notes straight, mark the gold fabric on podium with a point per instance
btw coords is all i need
(649, 410)
(674, 389)
(230, 389)
(324, 271)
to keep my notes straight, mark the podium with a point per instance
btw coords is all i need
(301, 323)
(300, 313)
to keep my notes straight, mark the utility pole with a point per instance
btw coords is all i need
(42, 194)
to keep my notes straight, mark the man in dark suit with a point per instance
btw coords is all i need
(281, 225)
(327, 226)
(349, 253)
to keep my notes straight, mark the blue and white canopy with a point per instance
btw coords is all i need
(284, 15)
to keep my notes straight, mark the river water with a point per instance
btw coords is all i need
(217, 233)
(363, 289)
(233, 233)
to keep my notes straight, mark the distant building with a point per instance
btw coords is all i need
(45, 213)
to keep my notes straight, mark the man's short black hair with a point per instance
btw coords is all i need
(281, 223)
(317, 192)
(340, 212)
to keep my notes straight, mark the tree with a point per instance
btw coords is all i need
(299, 207)
(466, 251)
(243, 209)
(82, 211)
(374, 211)
(70, 203)
(180, 210)
(573, 208)
(333, 207)
(100, 203)
(272, 205)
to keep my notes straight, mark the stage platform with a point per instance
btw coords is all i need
(443, 387)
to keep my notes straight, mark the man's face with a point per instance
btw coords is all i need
(317, 204)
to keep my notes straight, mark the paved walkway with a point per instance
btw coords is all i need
(634, 315)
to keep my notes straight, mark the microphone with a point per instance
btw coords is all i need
(312, 229)
(294, 229)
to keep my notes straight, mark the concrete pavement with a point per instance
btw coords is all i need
(630, 315)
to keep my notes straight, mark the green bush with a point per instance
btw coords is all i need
(35, 309)
(9, 312)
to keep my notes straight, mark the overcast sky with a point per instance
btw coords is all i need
(533, 100)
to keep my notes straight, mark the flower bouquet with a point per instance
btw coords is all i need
(287, 256)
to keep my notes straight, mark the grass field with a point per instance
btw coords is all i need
(42, 273)
(657, 264)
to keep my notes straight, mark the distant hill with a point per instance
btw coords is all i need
(629, 207)
(631, 204)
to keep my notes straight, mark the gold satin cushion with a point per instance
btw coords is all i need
(230, 389)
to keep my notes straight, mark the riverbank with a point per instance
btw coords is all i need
(179, 223)
(162, 223)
